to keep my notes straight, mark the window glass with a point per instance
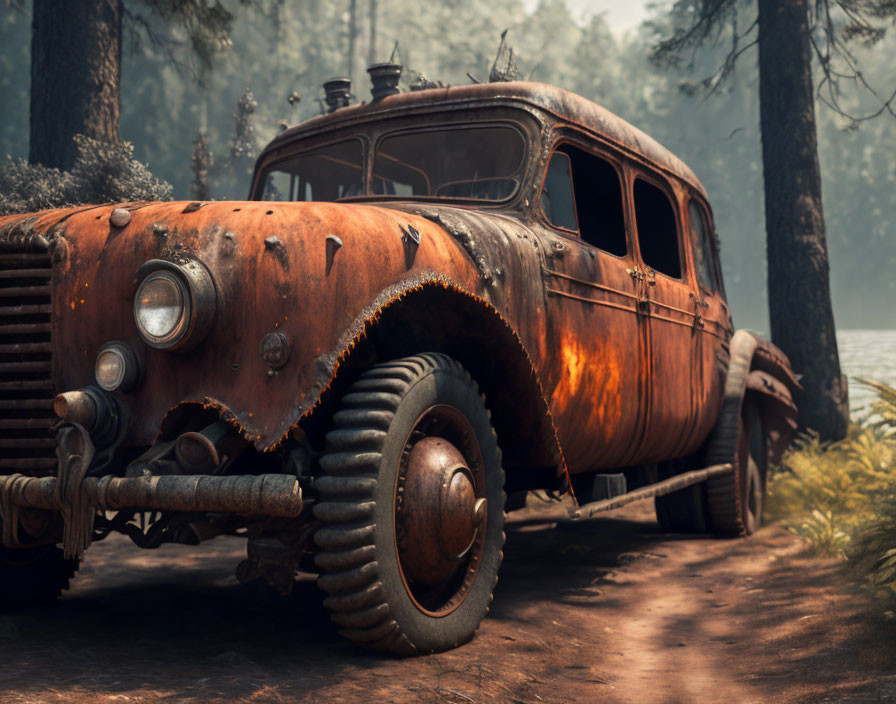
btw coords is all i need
(482, 163)
(557, 199)
(657, 230)
(598, 201)
(583, 192)
(324, 174)
(704, 250)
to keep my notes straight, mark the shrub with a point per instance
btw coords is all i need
(841, 497)
(102, 173)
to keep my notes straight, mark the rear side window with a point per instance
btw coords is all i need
(591, 204)
(657, 229)
(325, 174)
(704, 250)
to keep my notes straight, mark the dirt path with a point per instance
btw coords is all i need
(606, 611)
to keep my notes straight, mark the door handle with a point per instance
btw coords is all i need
(698, 302)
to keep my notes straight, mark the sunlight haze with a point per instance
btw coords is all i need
(622, 15)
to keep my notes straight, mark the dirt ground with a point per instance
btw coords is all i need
(610, 610)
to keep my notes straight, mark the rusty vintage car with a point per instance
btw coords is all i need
(431, 304)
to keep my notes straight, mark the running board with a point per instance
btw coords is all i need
(666, 486)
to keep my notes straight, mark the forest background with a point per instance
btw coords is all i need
(284, 49)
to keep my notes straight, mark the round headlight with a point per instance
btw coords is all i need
(175, 304)
(161, 309)
(117, 367)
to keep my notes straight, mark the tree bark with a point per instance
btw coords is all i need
(75, 76)
(801, 316)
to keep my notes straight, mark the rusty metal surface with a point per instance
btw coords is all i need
(624, 366)
(588, 346)
(777, 408)
(561, 104)
(440, 506)
(263, 494)
(436, 511)
(260, 291)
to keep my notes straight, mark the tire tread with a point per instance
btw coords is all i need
(355, 595)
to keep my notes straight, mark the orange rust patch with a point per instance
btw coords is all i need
(368, 322)
(446, 284)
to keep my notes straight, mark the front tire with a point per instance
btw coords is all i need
(412, 500)
(33, 576)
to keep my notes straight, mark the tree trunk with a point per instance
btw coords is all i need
(352, 37)
(802, 320)
(371, 48)
(75, 76)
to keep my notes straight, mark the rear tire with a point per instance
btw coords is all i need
(381, 553)
(681, 511)
(736, 501)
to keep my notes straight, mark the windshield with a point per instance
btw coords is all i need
(465, 162)
(324, 174)
(482, 163)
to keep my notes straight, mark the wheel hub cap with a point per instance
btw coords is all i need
(439, 511)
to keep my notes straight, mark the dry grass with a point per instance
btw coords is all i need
(841, 497)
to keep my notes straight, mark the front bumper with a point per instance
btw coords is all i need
(77, 496)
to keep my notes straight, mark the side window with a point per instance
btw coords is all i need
(557, 200)
(704, 250)
(325, 174)
(596, 196)
(657, 230)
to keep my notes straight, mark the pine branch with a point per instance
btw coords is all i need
(834, 25)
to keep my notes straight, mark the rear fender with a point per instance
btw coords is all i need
(776, 408)
(757, 367)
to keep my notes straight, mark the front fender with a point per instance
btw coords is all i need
(272, 272)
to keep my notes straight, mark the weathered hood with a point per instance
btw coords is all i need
(270, 266)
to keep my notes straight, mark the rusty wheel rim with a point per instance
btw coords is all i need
(440, 511)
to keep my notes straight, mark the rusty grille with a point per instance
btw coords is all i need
(26, 383)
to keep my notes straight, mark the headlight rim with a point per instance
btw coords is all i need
(200, 302)
(132, 366)
(181, 327)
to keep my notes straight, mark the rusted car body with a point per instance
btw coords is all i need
(572, 275)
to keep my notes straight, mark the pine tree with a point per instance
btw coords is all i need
(76, 52)
(800, 310)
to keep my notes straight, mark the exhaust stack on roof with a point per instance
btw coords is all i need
(384, 78)
(338, 93)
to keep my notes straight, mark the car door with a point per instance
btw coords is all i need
(595, 385)
(668, 297)
(714, 319)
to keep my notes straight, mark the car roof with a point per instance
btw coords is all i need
(562, 104)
